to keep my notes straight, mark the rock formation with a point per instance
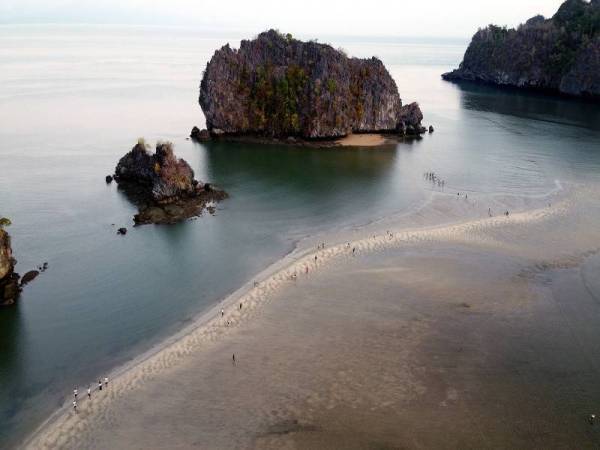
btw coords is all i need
(561, 54)
(162, 186)
(278, 86)
(9, 280)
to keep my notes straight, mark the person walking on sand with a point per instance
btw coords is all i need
(75, 393)
(240, 306)
(89, 392)
(99, 385)
(222, 312)
(353, 250)
(233, 358)
(106, 382)
(75, 405)
(315, 258)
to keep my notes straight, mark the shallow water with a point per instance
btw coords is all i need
(74, 99)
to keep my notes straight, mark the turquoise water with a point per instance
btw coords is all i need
(75, 99)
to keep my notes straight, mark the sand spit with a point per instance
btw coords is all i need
(67, 429)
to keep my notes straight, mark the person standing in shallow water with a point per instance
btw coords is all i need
(75, 405)
(89, 392)
(106, 382)
(99, 385)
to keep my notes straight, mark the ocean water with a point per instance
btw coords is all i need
(74, 99)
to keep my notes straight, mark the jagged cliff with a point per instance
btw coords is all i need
(9, 280)
(561, 54)
(276, 85)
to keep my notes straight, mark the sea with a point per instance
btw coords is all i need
(74, 99)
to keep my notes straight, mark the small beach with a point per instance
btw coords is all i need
(461, 335)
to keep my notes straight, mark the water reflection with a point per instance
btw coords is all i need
(530, 105)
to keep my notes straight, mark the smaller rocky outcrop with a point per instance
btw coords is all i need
(122, 231)
(162, 186)
(199, 135)
(108, 179)
(9, 279)
(410, 120)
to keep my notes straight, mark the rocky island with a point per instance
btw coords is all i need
(162, 186)
(9, 280)
(560, 54)
(275, 86)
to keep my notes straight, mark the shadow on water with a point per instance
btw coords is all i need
(529, 105)
(299, 167)
(12, 354)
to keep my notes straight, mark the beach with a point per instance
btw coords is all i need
(477, 333)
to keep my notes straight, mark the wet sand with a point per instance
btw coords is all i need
(480, 334)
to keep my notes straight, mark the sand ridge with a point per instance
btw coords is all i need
(63, 429)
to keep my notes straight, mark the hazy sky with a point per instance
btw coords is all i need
(456, 18)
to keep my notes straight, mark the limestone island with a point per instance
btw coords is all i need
(163, 187)
(9, 279)
(560, 55)
(275, 87)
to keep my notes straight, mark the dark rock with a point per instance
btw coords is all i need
(162, 186)
(9, 279)
(277, 86)
(200, 135)
(560, 55)
(411, 117)
(29, 277)
(109, 179)
(122, 231)
(430, 129)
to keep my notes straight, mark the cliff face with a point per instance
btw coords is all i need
(561, 54)
(275, 85)
(9, 281)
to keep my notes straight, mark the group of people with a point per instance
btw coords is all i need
(89, 392)
(434, 179)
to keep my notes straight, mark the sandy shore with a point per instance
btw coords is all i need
(364, 140)
(478, 334)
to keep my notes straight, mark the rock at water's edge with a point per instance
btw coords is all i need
(161, 185)
(9, 280)
(560, 55)
(278, 86)
(200, 135)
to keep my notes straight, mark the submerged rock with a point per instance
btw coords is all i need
(122, 231)
(108, 179)
(161, 185)
(561, 54)
(9, 280)
(278, 86)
